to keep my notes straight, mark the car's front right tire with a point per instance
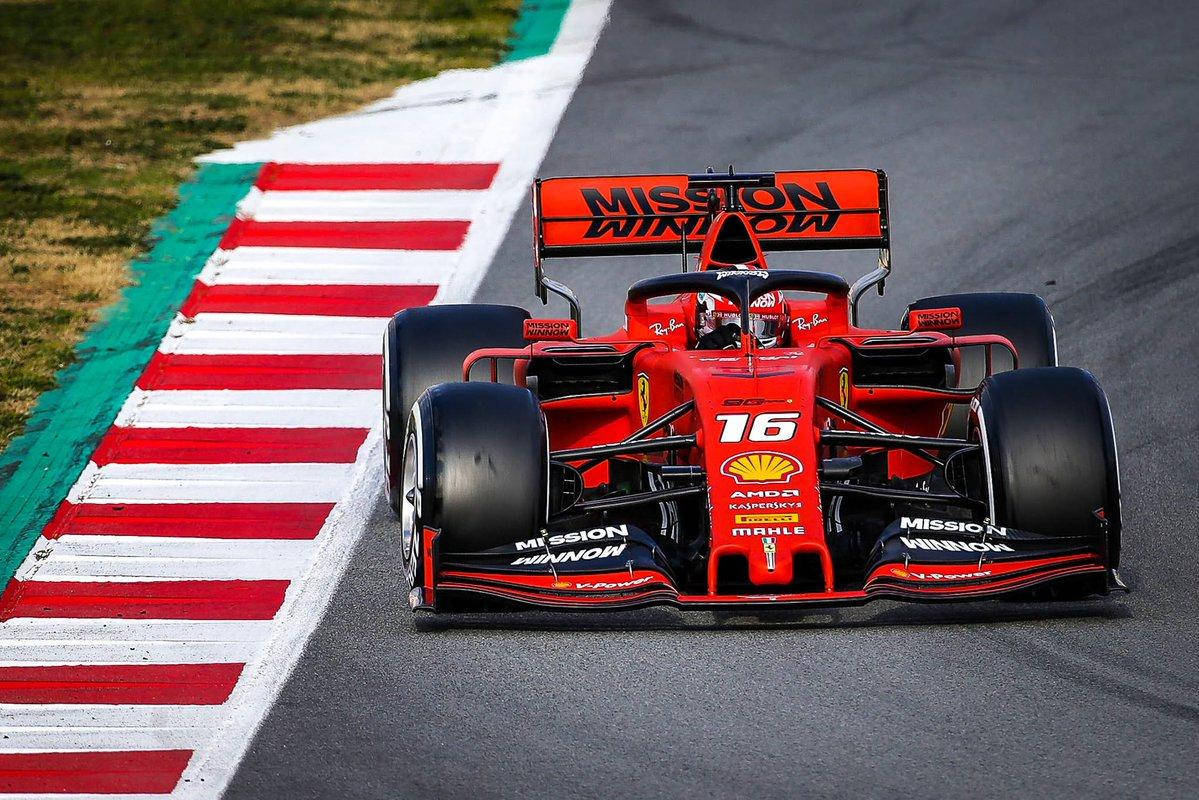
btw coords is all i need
(1049, 455)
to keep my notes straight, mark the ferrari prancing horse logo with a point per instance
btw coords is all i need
(770, 550)
(643, 397)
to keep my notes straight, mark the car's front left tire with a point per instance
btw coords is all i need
(426, 346)
(475, 468)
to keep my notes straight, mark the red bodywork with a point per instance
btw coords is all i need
(757, 425)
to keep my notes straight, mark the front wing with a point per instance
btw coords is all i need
(636, 572)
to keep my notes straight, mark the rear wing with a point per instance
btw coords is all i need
(608, 215)
(660, 214)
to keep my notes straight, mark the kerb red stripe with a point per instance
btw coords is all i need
(330, 301)
(201, 520)
(142, 599)
(352, 177)
(174, 371)
(134, 684)
(229, 446)
(105, 772)
(407, 235)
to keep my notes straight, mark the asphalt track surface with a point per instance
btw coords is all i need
(1045, 149)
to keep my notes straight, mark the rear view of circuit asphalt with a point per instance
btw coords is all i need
(1035, 147)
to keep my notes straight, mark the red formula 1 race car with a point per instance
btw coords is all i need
(741, 441)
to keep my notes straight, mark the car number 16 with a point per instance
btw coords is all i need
(771, 427)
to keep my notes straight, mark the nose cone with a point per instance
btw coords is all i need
(760, 454)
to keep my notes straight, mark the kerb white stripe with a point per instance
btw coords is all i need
(30, 641)
(104, 727)
(251, 408)
(359, 206)
(61, 796)
(291, 266)
(244, 334)
(99, 558)
(211, 483)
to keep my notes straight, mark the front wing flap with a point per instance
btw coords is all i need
(943, 559)
(610, 565)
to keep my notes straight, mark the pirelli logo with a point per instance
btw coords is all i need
(765, 519)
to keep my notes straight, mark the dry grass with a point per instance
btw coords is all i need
(103, 104)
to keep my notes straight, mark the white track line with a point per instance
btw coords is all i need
(211, 483)
(293, 266)
(244, 334)
(359, 206)
(250, 408)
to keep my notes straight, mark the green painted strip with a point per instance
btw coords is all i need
(536, 28)
(39, 467)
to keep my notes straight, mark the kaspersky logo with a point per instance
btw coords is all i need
(762, 467)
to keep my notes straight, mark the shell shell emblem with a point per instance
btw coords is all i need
(762, 468)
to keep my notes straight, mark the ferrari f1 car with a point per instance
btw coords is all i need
(741, 441)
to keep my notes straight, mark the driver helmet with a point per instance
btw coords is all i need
(767, 317)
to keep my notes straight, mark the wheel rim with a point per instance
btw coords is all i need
(410, 508)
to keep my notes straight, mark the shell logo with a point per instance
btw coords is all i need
(762, 468)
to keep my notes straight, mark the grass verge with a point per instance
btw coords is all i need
(103, 104)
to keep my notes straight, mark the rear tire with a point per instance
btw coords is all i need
(1051, 453)
(426, 346)
(1023, 319)
(475, 467)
